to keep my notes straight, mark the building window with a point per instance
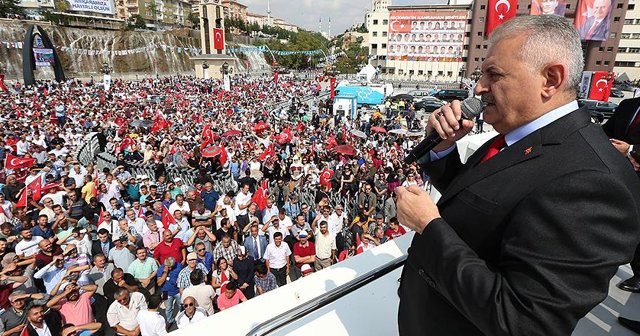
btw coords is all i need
(606, 62)
(385, 22)
(483, 7)
(466, 47)
(400, 72)
(479, 33)
(375, 34)
(598, 62)
(631, 7)
(392, 71)
(613, 35)
(467, 34)
(628, 21)
(374, 46)
(429, 73)
(601, 49)
(440, 73)
(420, 72)
(633, 50)
(469, 21)
(625, 35)
(476, 59)
(620, 5)
(383, 46)
(485, 46)
(616, 19)
(477, 46)
(449, 73)
(375, 22)
(481, 19)
(384, 34)
(609, 49)
(529, 7)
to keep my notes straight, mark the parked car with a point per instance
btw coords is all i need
(428, 104)
(449, 94)
(615, 92)
(599, 110)
(418, 94)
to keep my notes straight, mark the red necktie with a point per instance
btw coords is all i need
(593, 29)
(495, 148)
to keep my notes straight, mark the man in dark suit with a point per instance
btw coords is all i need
(103, 244)
(596, 27)
(256, 244)
(42, 321)
(529, 231)
(623, 128)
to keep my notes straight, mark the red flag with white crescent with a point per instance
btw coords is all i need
(141, 213)
(15, 162)
(601, 84)
(326, 176)
(207, 137)
(218, 38)
(22, 201)
(36, 188)
(359, 244)
(269, 152)
(260, 197)
(285, 136)
(224, 280)
(499, 12)
(167, 218)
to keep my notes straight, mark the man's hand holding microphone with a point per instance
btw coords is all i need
(445, 126)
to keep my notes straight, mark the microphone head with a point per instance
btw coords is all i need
(471, 107)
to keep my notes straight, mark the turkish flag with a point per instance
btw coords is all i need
(260, 197)
(22, 201)
(218, 38)
(2, 87)
(224, 280)
(223, 155)
(399, 26)
(601, 84)
(207, 137)
(15, 162)
(275, 76)
(284, 137)
(141, 213)
(269, 152)
(499, 12)
(36, 188)
(126, 142)
(326, 176)
(359, 244)
(167, 218)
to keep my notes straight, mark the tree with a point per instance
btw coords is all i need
(152, 7)
(10, 7)
(137, 21)
(62, 5)
(195, 21)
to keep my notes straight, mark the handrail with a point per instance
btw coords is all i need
(333, 295)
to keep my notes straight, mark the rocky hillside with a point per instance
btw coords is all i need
(82, 51)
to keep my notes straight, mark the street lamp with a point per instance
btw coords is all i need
(205, 73)
(106, 78)
(476, 74)
(106, 69)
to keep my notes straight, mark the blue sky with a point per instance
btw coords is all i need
(306, 13)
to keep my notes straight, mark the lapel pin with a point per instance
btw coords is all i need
(528, 151)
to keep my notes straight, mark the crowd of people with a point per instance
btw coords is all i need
(87, 249)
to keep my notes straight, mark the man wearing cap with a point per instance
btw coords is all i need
(184, 280)
(243, 266)
(14, 318)
(306, 270)
(304, 251)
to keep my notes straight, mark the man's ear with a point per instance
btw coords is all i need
(555, 78)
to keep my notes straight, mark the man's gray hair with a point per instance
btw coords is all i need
(549, 38)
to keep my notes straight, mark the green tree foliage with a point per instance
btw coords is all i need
(137, 21)
(194, 20)
(10, 7)
(62, 5)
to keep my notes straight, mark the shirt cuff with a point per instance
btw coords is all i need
(439, 155)
(629, 150)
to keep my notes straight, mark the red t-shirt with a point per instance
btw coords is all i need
(224, 303)
(298, 250)
(395, 234)
(43, 259)
(163, 251)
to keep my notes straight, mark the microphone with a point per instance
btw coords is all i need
(471, 107)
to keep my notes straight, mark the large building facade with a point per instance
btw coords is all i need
(461, 46)
(628, 56)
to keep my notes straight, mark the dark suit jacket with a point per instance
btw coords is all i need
(616, 127)
(96, 247)
(528, 240)
(599, 34)
(52, 319)
(248, 244)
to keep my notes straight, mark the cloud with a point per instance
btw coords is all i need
(307, 13)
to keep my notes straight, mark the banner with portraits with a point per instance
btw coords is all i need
(548, 7)
(43, 57)
(433, 36)
(593, 19)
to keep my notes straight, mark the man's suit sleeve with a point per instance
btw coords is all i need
(560, 247)
(442, 172)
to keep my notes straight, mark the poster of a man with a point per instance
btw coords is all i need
(597, 23)
(548, 7)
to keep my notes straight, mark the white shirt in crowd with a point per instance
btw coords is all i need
(277, 255)
(151, 323)
(126, 317)
(183, 320)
